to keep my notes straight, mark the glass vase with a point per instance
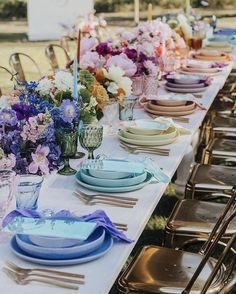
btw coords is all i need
(137, 85)
(150, 85)
(7, 190)
(67, 139)
(110, 117)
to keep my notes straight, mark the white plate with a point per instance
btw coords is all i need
(91, 244)
(130, 181)
(147, 143)
(148, 127)
(102, 250)
(113, 189)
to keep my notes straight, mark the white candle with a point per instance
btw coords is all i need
(149, 12)
(136, 11)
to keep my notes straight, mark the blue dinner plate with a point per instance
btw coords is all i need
(91, 244)
(102, 250)
(129, 181)
(113, 189)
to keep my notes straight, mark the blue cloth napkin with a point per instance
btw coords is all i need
(226, 32)
(99, 217)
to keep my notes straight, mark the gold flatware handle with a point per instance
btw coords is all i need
(66, 280)
(86, 201)
(144, 147)
(120, 225)
(93, 202)
(107, 196)
(149, 151)
(54, 283)
(59, 273)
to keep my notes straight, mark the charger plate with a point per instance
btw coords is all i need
(184, 90)
(189, 105)
(176, 85)
(129, 181)
(169, 113)
(91, 244)
(102, 250)
(113, 189)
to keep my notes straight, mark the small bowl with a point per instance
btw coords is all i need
(112, 175)
(53, 242)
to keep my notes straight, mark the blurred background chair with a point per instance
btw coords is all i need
(7, 80)
(20, 62)
(52, 51)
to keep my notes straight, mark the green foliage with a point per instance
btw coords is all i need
(10, 9)
(86, 78)
(85, 94)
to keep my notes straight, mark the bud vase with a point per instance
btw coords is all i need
(137, 85)
(150, 85)
(110, 117)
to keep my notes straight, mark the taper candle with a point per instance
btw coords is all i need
(75, 79)
(136, 11)
(149, 16)
(78, 47)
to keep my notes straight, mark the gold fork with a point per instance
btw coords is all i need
(177, 118)
(15, 267)
(108, 202)
(25, 281)
(140, 150)
(107, 196)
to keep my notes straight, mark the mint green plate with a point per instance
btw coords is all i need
(125, 182)
(112, 189)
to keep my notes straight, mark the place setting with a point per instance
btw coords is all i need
(203, 68)
(212, 55)
(187, 83)
(103, 181)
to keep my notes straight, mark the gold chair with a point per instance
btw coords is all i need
(11, 76)
(15, 63)
(192, 221)
(220, 126)
(164, 270)
(50, 52)
(206, 179)
(219, 151)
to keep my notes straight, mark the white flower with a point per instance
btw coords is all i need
(4, 102)
(44, 87)
(64, 81)
(112, 88)
(116, 74)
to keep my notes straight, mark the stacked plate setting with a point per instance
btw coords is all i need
(55, 251)
(112, 181)
(211, 55)
(148, 133)
(182, 83)
(198, 67)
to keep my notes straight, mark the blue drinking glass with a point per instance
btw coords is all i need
(27, 192)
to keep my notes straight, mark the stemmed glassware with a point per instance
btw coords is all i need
(90, 137)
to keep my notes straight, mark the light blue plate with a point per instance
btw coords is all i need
(130, 181)
(113, 189)
(102, 250)
(103, 174)
(218, 39)
(91, 244)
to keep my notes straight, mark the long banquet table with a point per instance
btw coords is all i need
(57, 194)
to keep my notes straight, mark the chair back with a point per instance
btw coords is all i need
(50, 52)
(15, 63)
(211, 245)
(8, 74)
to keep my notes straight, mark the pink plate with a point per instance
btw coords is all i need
(189, 105)
(169, 113)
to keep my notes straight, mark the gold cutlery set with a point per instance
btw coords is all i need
(24, 276)
(135, 149)
(119, 201)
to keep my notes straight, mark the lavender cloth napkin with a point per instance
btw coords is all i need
(99, 217)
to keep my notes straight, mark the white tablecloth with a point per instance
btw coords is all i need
(57, 193)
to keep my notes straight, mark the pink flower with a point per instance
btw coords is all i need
(40, 161)
(8, 162)
(87, 44)
(32, 131)
(123, 62)
(151, 67)
(92, 60)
